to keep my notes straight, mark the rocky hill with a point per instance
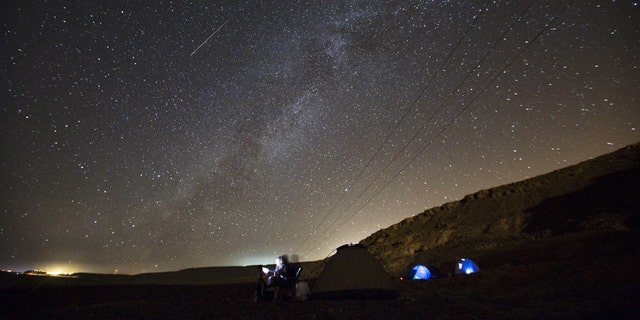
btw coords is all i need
(534, 219)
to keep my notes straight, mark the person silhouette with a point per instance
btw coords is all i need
(277, 277)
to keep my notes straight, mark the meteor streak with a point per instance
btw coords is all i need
(213, 34)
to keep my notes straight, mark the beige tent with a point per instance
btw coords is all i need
(353, 273)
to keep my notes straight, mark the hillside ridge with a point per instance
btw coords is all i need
(597, 195)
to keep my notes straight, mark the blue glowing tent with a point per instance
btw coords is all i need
(466, 266)
(419, 272)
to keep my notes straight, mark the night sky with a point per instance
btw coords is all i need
(157, 135)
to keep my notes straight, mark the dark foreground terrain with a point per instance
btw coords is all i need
(588, 276)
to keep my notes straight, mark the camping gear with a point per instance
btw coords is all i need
(466, 266)
(353, 273)
(419, 272)
(302, 291)
(422, 272)
(288, 288)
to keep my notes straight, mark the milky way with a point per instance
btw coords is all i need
(153, 136)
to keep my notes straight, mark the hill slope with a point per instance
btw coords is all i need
(507, 223)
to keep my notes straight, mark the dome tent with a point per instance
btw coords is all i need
(422, 272)
(466, 266)
(353, 273)
(419, 272)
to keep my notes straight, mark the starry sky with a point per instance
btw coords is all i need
(145, 136)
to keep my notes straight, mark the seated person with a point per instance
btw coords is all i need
(278, 277)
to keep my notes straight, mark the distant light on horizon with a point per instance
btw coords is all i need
(61, 268)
